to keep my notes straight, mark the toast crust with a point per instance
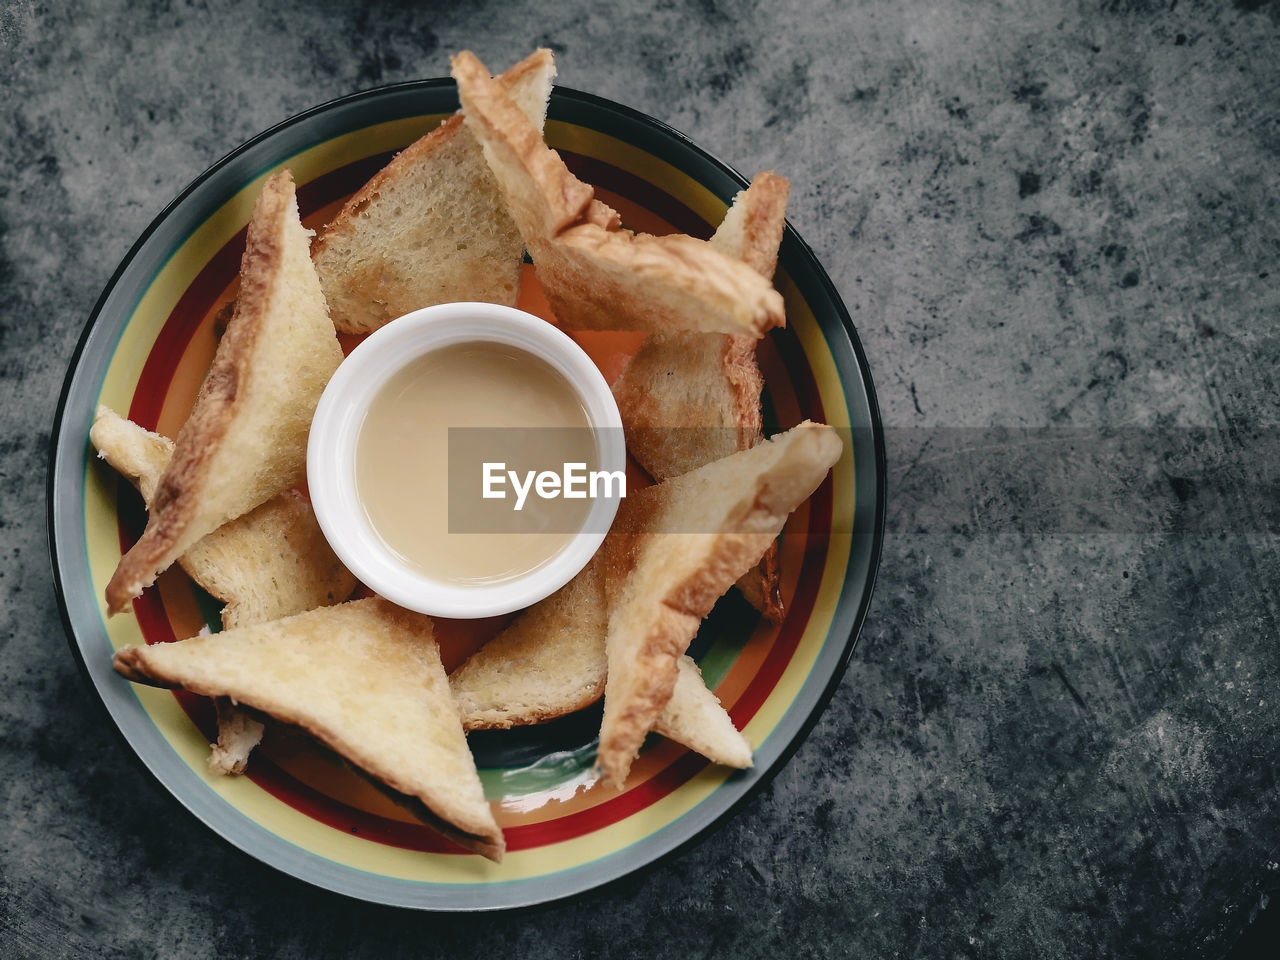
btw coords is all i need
(179, 513)
(597, 275)
(663, 579)
(515, 150)
(550, 662)
(271, 562)
(754, 235)
(687, 399)
(753, 226)
(403, 644)
(176, 495)
(547, 663)
(598, 279)
(365, 297)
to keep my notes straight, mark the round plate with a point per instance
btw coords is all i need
(144, 352)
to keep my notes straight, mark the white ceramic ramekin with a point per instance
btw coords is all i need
(331, 454)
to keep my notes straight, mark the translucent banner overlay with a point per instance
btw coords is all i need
(981, 480)
(1050, 480)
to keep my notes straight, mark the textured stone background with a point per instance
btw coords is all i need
(1057, 737)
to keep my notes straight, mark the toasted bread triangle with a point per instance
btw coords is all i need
(134, 452)
(246, 438)
(689, 398)
(542, 195)
(675, 549)
(546, 663)
(597, 275)
(431, 227)
(751, 230)
(269, 563)
(550, 661)
(365, 679)
(694, 717)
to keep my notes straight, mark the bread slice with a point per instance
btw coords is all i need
(239, 733)
(266, 564)
(134, 452)
(246, 438)
(431, 227)
(269, 563)
(365, 679)
(675, 549)
(694, 717)
(598, 276)
(551, 661)
(547, 663)
(761, 586)
(752, 227)
(689, 398)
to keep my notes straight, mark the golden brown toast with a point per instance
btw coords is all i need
(752, 227)
(431, 226)
(546, 663)
(596, 275)
(676, 547)
(689, 398)
(134, 452)
(694, 717)
(246, 438)
(550, 661)
(239, 733)
(365, 679)
(269, 563)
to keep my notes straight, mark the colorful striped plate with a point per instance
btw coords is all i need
(144, 352)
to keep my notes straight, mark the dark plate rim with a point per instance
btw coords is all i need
(868, 545)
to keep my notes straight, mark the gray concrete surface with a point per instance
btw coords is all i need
(1057, 737)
